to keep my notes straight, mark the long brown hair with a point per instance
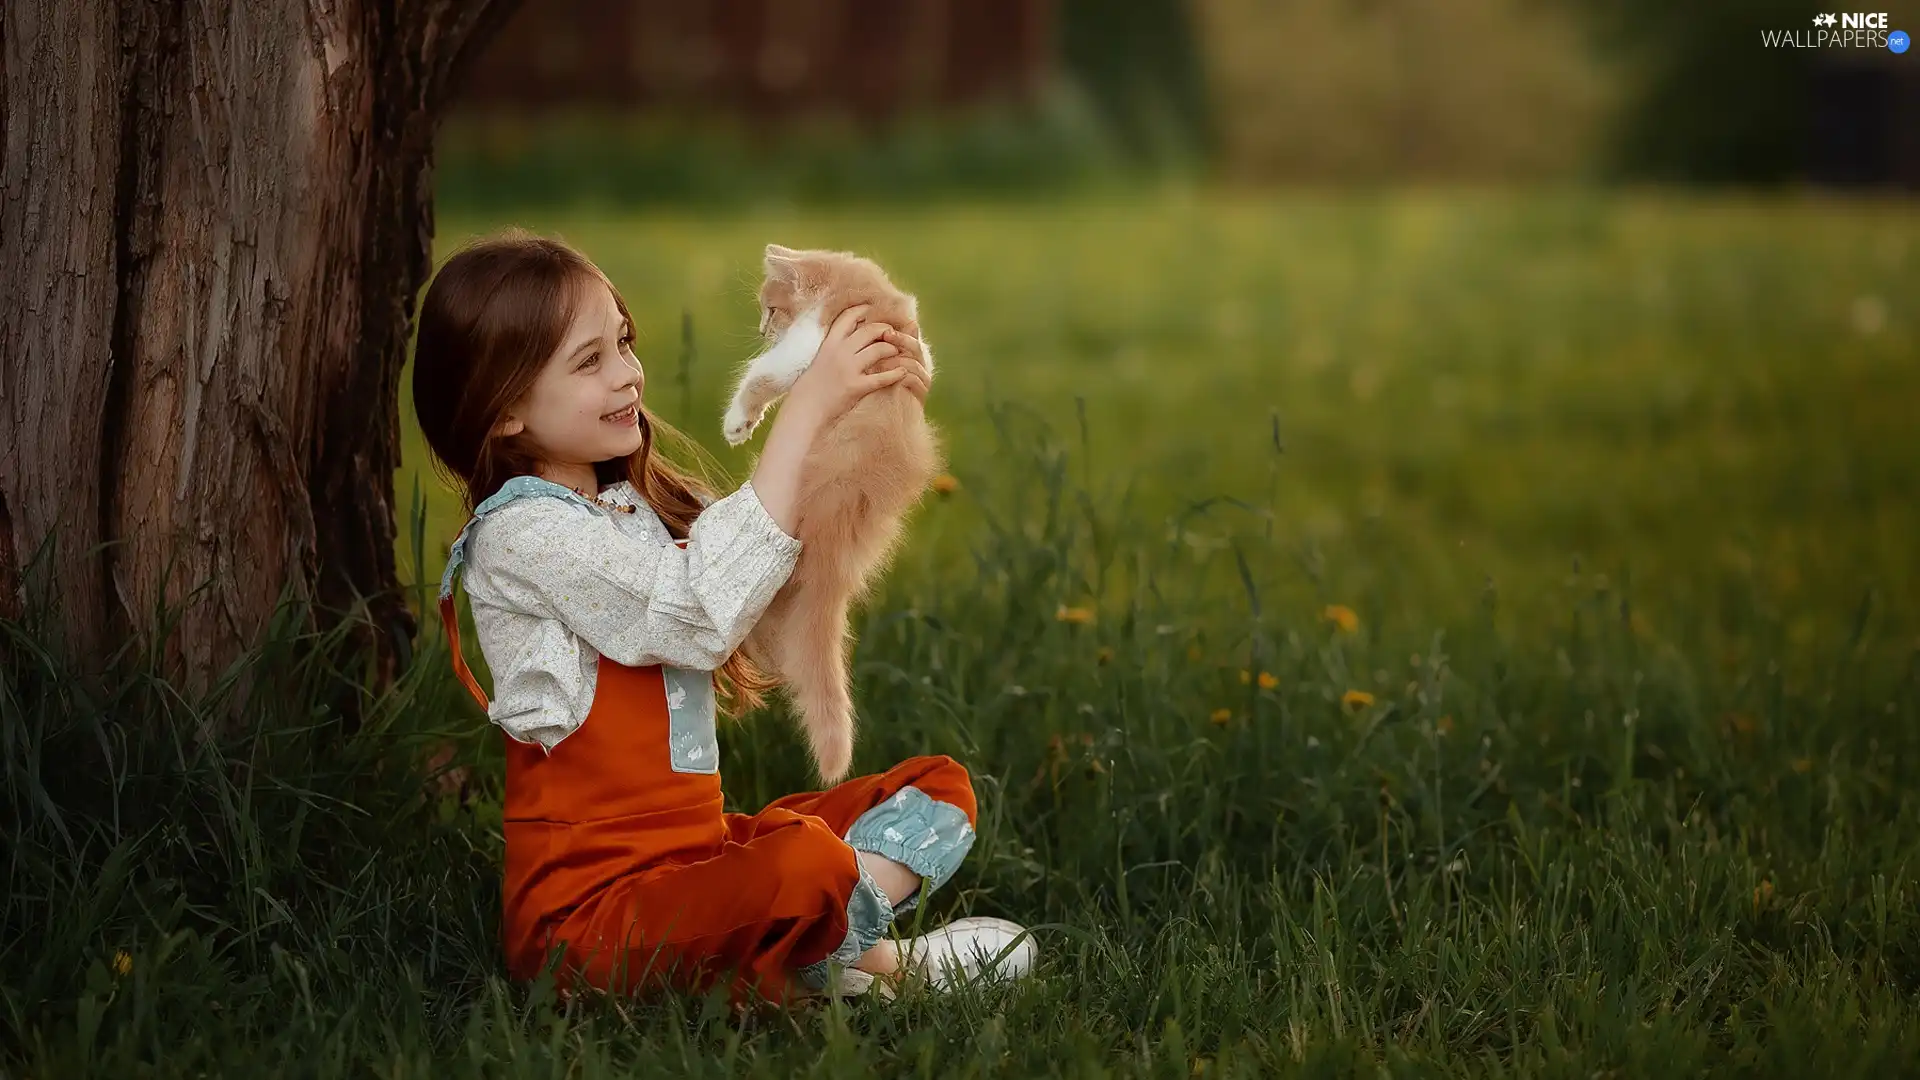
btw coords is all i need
(492, 317)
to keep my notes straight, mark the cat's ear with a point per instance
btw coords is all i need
(783, 264)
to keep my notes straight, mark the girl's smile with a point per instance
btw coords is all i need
(585, 405)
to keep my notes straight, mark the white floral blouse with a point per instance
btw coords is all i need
(556, 583)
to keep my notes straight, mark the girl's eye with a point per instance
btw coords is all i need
(591, 362)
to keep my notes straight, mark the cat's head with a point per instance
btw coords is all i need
(822, 284)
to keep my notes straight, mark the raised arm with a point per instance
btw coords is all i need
(639, 602)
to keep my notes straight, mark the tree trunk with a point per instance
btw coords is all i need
(214, 219)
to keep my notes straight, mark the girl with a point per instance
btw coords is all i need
(609, 591)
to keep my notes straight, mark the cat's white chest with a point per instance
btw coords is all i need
(794, 352)
(773, 373)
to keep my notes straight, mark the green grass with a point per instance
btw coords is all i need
(1623, 491)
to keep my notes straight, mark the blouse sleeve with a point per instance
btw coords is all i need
(636, 601)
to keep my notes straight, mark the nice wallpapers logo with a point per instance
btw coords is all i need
(1847, 30)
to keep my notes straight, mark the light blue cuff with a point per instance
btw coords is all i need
(919, 832)
(869, 914)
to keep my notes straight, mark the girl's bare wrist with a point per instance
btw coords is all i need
(802, 417)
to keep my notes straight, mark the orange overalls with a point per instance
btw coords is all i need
(628, 864)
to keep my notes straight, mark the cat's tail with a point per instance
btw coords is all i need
(814, 664)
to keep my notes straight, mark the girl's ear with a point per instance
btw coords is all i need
(508, 427)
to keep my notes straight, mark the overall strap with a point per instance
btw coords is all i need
(451, 620)
(519, 487)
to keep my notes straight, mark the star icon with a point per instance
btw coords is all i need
(1830, 19)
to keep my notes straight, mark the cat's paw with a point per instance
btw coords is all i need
(739, 426)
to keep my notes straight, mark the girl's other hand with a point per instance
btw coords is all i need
(838, 377)
(910, 359)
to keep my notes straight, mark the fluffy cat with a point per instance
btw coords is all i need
(857, 484)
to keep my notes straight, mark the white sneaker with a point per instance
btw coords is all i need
(848, 983)
(965, 950)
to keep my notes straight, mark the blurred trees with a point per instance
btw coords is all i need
(1702, 100)
(1013, 95)
(1705, 101)
(1339, 91)
(1359, 90)
(1142, 64)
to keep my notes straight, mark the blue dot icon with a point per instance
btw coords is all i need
(1898, 41)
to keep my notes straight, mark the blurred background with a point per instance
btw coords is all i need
(632, 100)
(1414, 302)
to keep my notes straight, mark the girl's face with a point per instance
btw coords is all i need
(585, 405)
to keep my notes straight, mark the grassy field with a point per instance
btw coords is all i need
(1490, 646)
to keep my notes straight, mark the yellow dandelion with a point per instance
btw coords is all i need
(1740, 723)
(1356, 699)
(1221, 716)
(1341, 616)
(1104, 656)
(122, 963)
(1193, 653)
(1267, 681)
(1075, 615)
(945, 484)
(1801, 765)
(1444, 725)
(1762, 893)
(1245, 676)
(1056, 757)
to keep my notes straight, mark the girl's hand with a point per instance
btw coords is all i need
(911, 359)
(836, 381)
(838, 377)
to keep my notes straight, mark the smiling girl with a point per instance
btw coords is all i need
(609, 592)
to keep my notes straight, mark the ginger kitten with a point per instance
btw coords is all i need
(859, 480)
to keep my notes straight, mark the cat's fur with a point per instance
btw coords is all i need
(860, 478)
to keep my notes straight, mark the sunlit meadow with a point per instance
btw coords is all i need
(1445, 634)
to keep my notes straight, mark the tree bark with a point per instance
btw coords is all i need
(214, 219)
